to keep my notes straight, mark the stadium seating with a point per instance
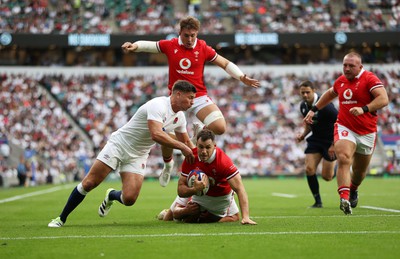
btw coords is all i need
(160, 17)
(261, 123)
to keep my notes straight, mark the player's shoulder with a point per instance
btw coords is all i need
(166, 44)
(159, 102)
(202, 44)
(341, 79)
(221, 155)
(368, 75)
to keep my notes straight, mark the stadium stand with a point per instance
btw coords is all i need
(58, 118)
(262, 123)
(160, 17)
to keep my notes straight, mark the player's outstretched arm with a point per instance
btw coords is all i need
(235, 72)
(140, 46)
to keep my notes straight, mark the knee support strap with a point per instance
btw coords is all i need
(213, 116)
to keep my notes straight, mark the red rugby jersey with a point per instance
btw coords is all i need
(357, 93)
(187, 64)
(219, 172)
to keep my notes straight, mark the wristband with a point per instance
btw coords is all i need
(365, 108)
(314, 108)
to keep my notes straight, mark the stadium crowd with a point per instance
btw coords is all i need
(160, 17)
(262, 123)
(61, 121)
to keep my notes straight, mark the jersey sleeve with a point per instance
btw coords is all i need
(156, 110)
(227, 166)
(374, 82)
(163, 45)
(211, 54)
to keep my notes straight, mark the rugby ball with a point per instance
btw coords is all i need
(200, 175)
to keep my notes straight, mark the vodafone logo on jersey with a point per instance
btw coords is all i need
(185, 63)
(348, 94)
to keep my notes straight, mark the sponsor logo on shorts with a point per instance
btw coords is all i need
(106, 156)
(175, 120)
(345, 133)
(142, 166)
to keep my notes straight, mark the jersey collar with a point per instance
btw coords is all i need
(315, 99)
(361, 72)
(212, 157)
(181, 43)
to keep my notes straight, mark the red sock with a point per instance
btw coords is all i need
(353, 187)
(167, 159)
(344, 192)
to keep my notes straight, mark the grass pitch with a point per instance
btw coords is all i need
(286, 228)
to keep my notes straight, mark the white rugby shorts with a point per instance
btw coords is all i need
(220, 206)
(365, 144)
(200, 103)
(115, 157)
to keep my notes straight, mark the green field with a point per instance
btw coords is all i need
(286, 228)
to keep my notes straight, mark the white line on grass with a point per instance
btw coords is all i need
(27, 195)
(378, 208)
(284, 195)
(208, 234)
(322, 216)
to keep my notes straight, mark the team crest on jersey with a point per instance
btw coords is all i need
(345, 133)
(185, 63)
(175, 50)
(196, 53)
(175, 120)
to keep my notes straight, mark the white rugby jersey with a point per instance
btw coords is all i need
(134, 137)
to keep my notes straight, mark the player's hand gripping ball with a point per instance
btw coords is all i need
(200, 175)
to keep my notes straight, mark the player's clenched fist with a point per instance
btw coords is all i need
(129, 47)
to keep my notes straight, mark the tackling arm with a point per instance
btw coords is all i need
(162, 138)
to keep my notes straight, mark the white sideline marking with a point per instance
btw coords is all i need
(378, 208)
(284, 195)
(27, 195)
(326, 216)
(207, 234)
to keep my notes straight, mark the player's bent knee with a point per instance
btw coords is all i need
(129, 200)
(310, 171)
(89, 184)
(327, 177)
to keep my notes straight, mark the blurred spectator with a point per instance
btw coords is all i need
(22, 170)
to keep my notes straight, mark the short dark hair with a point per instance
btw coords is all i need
(184, 86)
(189, 23)
(205, 134)
(307, 83)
